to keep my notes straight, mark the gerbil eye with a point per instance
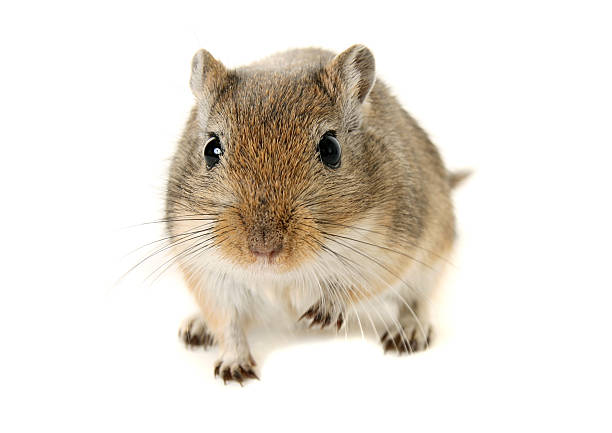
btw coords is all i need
(329, 150)
(212, 151)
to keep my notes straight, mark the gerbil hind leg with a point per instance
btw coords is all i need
(414, 296)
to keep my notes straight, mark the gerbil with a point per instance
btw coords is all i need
(301, 183)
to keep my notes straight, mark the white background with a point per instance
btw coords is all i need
(92, 100)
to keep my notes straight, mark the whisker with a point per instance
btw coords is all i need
(365, 295)
(422, 330)
(377, 246)
(329, 223)
(169, 237)
(189, 250)
(368, 297)
(165, 248)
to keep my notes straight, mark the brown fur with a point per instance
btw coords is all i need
(270, 188)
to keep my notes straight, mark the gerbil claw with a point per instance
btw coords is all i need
(307, 313)
(226, 375)
(403, 344)
(248, 373)
(327, 321)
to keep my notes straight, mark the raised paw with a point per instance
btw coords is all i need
(319, 314)
(235, 370)
(409, 339)
(193, 332)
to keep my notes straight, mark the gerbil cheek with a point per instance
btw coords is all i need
(231, 238)
(303, 238)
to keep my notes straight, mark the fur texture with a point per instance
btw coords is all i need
(370, 234)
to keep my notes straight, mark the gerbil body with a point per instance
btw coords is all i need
(301, 184)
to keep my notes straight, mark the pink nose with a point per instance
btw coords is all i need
(265, 251)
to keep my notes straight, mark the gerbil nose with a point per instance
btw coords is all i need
(265, 228)
(266, 250)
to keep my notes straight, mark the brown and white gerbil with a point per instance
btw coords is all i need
(301, 183)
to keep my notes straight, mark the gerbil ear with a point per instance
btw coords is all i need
(207, 74)
(356, 70)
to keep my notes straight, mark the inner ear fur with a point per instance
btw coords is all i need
(207, 74)
(356, 71)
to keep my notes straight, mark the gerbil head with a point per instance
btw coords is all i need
(272, 158)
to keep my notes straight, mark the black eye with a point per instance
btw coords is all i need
(330, 151)
(212, 151)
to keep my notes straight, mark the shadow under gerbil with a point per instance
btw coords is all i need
(265, 340)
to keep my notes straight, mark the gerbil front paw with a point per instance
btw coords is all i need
(237, 370)
(409, 339)
(323, 315)
(193, 332)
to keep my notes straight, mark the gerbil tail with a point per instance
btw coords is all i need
(455, 178)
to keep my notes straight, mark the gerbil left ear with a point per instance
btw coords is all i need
(352, 74)
(207, 74)
(356, 69)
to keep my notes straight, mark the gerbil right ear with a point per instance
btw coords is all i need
(351, 75)
(207, 74)
(356, 70)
